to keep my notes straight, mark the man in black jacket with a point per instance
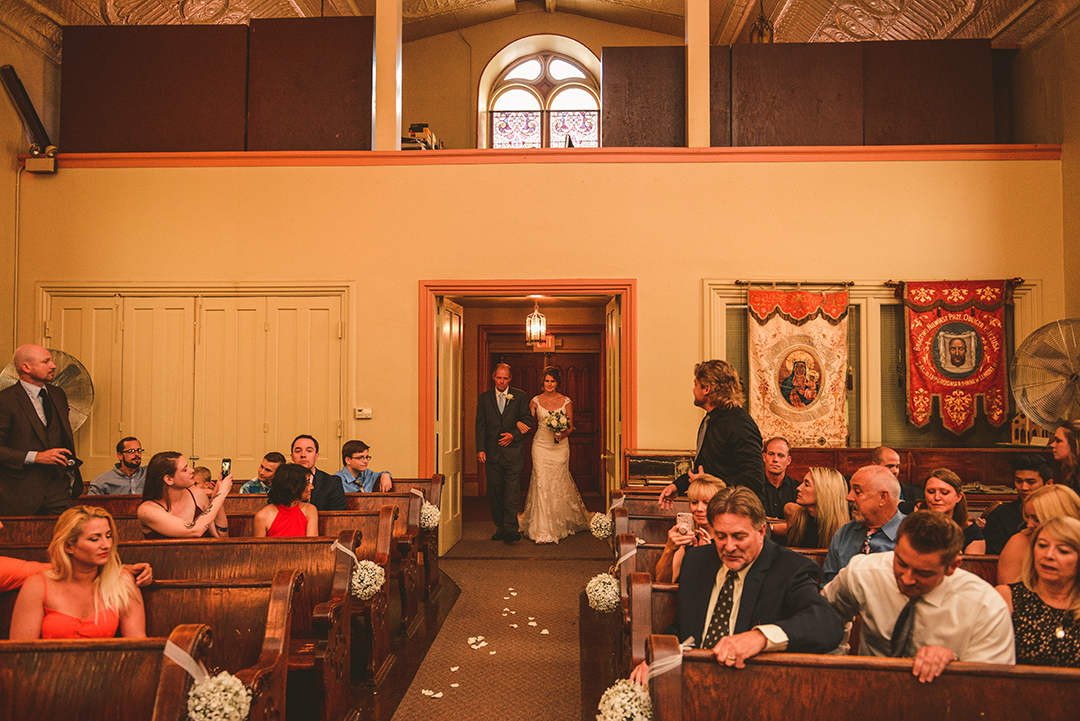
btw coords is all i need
(327, 493)
(502, 419)
(729, 441)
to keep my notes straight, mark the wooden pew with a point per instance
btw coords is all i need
(95, 679)
(39, 529)
(429, 539)
(251, 620)
(786, 686)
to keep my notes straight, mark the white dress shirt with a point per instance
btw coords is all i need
(776, 639)
(963, 613)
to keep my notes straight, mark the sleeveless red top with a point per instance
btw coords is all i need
(103, 624)
(289, 521)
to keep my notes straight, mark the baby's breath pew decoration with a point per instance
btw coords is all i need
(625, 701)
(429, 516)
(603, 592)
(367, 579)
(601, 525)
(219, 698)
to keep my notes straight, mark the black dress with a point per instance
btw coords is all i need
(1045, 636)
(810, 534)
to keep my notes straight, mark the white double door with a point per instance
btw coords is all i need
(213, 377)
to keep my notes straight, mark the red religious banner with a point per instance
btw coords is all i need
(956, 350)
(797, 306)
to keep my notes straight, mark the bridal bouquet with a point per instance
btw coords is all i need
(601, 525)
(219, 698)
(429, 516)
(625, 701)
(557, 422)
(367, 579)
(603, 592)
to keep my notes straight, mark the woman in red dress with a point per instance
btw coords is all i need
(288, 513)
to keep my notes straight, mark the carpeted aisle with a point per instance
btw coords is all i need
(522, 673)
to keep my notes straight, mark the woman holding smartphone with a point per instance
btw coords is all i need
(686, 531)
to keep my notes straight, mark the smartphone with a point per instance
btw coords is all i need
(226, 466)
(685, 522)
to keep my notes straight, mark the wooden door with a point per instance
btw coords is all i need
(449, 420)
(612, 460)
(581, 383)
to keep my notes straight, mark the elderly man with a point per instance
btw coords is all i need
(874, 498)
(915, 601)
(910, 495)
(127, 476)
(326, 491)
(265, 475)
(1030, 473)
(728, 440)
(38, 470)
(743, 594)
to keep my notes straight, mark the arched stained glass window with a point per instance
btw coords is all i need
(545, 100)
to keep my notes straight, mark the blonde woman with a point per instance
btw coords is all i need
(679, 538)
(819, 510)
(1045, 603)
(86, 593)
(1042, 505)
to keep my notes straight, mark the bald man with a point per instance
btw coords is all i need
(910, 495)
(38, 472)
(874, 498)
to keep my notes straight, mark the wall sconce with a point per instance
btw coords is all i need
(535, 326)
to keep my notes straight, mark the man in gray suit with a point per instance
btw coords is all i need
(38, 471)
(502, 420)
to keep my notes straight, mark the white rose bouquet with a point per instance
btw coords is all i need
(557, 422)
(625, 701)
(219, 698)
(367, 579)
(603, 592)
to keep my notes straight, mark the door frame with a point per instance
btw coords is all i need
(623, 288)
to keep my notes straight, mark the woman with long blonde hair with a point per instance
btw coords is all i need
(86, 593)
(1047, 502)
(819, 510)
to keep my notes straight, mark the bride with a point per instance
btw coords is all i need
(553, 509)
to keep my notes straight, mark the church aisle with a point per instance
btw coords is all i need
(515, 673)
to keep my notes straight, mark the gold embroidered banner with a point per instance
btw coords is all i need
(956, 350)
(798, 366)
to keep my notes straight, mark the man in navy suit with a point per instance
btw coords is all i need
(502, 420)
(744, 595)
(38, 470)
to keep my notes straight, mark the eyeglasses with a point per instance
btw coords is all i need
(361, 458)
(132, 450)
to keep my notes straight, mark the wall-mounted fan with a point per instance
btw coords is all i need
(72, 378)
(1045, 374)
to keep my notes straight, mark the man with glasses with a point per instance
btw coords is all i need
(127, 476)
(355, 476)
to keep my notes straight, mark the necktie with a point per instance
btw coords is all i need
(720, 624)
(866, 541)
(46, 404)
(502, 402)
(901, 633)
(701, 436)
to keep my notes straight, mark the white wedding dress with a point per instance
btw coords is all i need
(554, 508)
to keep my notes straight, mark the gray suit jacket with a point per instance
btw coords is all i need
(22, 487)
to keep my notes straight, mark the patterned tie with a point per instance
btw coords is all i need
(901, 633)
(720, 625)
(46, 405)
(502, 402)
(866, 541)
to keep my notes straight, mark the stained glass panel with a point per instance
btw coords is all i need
(516, 129)
(583, 127)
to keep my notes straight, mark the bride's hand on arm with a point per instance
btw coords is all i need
(522, 427)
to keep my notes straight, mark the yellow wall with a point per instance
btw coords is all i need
(441, 74)
(666, 224)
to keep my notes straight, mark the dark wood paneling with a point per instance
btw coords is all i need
(797, 94)
(644, 97)
(1002, 72)
(928, 92)
(720, 96)
(310, 83)
(153, 88)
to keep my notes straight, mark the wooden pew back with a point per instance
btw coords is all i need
(39, 529)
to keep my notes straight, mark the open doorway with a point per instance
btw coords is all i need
(592, 324)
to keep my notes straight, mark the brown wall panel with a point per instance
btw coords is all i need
(310, 83)
(928, 92)
(720, 96)
(164, 88)
(644, 97)
(797, 94)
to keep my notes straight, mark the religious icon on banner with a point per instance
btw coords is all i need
(798, 365)
(956, 351)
